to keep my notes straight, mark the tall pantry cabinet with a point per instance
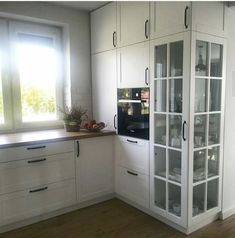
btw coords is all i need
(178, 50)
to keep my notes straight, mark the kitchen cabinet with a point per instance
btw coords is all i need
(186, 139)
(104, 87)
(132, 22)
(95, 168)
(169, 18)
(132, 169)
(103, 28)
(133, 66)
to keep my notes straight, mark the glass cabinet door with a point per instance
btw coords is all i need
(207, 126)
(168, 114)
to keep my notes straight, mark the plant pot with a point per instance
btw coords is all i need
(72, 126)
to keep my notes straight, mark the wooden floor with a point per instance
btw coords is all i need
(114, 218)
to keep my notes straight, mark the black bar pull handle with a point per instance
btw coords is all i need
(78, 149)
(132, 173)
(38, 190)
(36, 160)
(146, 29)
(183, 133)
(114, 121)
(146, 76)
(114, 39)
(132, 141)
(185, 17)
(36, 147)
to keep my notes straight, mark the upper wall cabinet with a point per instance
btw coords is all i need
(133, 66)
(133, 22)
(209, 17)
(169, 18)
(103, 28)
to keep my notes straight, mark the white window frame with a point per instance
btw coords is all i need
(12, 96)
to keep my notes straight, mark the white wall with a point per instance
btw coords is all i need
(79, 33)
(229, 142)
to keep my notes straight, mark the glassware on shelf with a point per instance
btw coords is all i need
(160, 61)
(175, 95)
(214, 129)
(200, 131)
(174, 199)
(175, 128)
(199, 166)
(160, 129)
(213, 161)
(201, 68)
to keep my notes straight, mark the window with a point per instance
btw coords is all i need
(33, 75)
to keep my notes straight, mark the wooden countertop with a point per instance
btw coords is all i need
(35, 137)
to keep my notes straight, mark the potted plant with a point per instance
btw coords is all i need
(73, 117)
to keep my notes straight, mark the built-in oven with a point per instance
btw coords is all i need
(133, 112)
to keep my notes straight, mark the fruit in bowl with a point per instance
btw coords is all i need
(94, 126)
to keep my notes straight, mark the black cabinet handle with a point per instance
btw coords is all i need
(114, 121)
(114, 39)
(78, 149)
(132, 173)
(36, 160)
(146, 76)
(132, 141)
(183, 133)
(185, 17)
(146, 29)
(38, 190)
(36, 147)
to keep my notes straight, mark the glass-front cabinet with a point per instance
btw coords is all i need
(187, 82)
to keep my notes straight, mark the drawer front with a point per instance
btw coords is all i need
(35, 201)
(133, 153)
(35, 150)
(23, 174)
(133, 186)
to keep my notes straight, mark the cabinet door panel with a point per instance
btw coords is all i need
(133, 153)
(103, 26)
(104, 87)
(133, 64)
(133, 22)
(133, 186)
(95, 168)
(168, 18)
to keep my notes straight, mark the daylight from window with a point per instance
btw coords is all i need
(1, 97)
(38, 67)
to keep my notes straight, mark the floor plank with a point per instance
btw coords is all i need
(114, 219)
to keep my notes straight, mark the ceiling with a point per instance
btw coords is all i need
(81, 5)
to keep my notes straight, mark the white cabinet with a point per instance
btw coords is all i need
(133, 185)
(35, 201)
(95, 168)
(104, 87)
(169, 17)
(103, 28)
(133, 66)
(133, 22)
(132, 153)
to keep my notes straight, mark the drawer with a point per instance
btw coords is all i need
(133, 186)
(36, 201)
(22, 174)
(132, 153)
(35, 150)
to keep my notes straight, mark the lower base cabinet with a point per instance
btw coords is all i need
(24, 204)
(95, 168)
(133, 185)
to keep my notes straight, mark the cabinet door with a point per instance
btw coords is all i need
(133, 22)
(95, 168)
(133, 66)
(103, 28)
(104, 87)
(169, 18)
(209, 17)
(133, 186)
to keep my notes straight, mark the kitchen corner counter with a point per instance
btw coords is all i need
(28, 138)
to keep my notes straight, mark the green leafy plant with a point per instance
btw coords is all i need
(73, 114)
